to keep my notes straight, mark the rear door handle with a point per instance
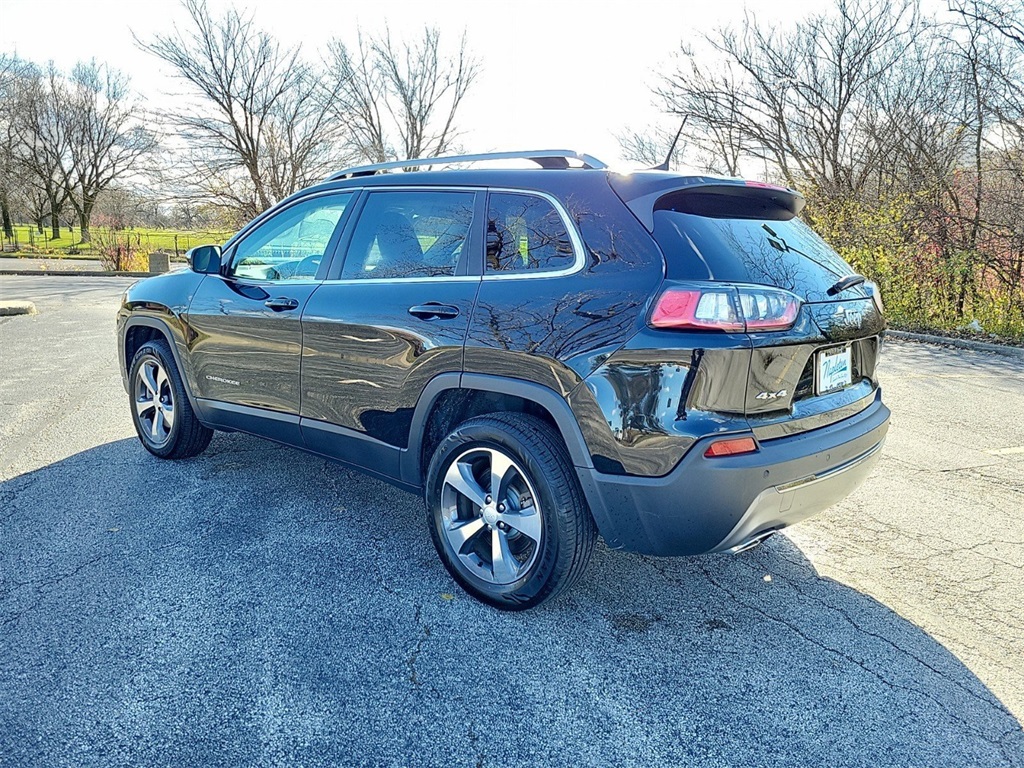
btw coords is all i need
(281, 304)
(432, 309)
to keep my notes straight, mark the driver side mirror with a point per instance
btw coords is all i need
(204, 259)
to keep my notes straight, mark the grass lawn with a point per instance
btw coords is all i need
(29, 242)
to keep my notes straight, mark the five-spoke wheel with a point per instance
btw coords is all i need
(506, 512)
(154, 400)
(491, 517)
(161, 411)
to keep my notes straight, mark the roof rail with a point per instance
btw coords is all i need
(545, 158)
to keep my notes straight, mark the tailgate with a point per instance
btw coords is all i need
(821, 371)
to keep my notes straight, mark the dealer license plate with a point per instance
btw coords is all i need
(833, 370)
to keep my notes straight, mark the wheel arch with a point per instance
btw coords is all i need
(139, 330)
(450, 399)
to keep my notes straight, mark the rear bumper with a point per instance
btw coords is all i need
(711, 505)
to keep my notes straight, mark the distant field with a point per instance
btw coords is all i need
(28, 241)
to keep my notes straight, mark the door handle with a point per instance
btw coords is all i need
(432, 309)
(281, 303)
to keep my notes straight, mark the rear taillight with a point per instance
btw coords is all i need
(733, 446)
(725, 307)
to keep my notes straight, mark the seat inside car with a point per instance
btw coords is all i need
(397, 244)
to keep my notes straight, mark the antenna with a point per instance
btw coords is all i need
(665, 165)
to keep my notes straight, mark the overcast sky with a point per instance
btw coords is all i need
(565, 75)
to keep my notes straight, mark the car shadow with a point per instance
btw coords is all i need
(259, 606)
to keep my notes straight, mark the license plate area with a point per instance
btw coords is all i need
(833, 369)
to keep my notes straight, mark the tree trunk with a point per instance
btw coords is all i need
(54, 222)
(39, 226)
(5, 211)
(84, 214)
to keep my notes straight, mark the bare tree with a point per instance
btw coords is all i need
(716, 142)
(12, 75)
(1006, 23)
(400, 99)
(258, 129)
(650, 147)
(796, 99)
(121, 207)
(42, 151)
(907, 132)
(1004, 18)
(106, 135)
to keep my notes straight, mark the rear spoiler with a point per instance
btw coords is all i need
(705, 196)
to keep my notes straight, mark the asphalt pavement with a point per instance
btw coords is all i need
(257, 606)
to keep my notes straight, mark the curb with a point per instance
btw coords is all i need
(77, 273)
(9, 308)
(949, 341)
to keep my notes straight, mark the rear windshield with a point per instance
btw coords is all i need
(785, 254)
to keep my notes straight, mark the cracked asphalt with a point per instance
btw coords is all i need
(261, 607)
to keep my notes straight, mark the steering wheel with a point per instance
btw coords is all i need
(308, 266)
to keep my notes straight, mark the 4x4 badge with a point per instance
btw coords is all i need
(771, 395)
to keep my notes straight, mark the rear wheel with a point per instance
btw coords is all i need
(506, 512)
(163, 417)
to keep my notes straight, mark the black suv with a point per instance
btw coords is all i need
(675, 362)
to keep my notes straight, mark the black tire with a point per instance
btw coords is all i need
(539, 459)
(187, 437)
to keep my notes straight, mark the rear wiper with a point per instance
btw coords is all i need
(846, 283)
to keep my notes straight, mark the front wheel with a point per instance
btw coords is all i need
(506, 512)
(163, 417)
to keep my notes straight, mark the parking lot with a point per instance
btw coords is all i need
(259, 606)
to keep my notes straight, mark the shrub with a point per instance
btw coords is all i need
(926, 284)
(121, 252)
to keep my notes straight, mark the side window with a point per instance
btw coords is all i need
(409, 234)
(290, 245)
(525, 234)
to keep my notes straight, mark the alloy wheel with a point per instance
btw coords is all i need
(154, 401)
(490, 516)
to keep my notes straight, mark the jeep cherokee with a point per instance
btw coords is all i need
(674, 362)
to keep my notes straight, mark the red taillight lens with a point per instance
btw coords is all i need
(726, 308)
(765, 309)
(696, 308)
(731, 447)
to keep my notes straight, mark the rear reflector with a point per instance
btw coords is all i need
(731, 447)
(725, 307)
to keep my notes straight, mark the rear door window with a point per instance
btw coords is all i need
(526, 234)
(409, 234)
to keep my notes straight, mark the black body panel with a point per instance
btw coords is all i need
(366, 359)
(158, 304)
(647, 404)
(707, 505)
(243, 351)
(556, 331)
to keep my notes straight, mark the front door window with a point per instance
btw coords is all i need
(291, 244)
